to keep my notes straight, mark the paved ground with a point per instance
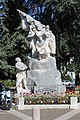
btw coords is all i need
(50, 114)
(5, 115)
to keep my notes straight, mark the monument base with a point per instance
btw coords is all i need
(43, 76)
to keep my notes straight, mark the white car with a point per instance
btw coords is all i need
(66, 82)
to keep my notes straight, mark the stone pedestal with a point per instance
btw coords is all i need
(74, 102)
(45, 76)
(36, 113)
(21, 103)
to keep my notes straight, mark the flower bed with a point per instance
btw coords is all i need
(77, 89)
(46, 99)
(32, 99)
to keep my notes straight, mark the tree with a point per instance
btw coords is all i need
(68, 21)
(63, 16)
(12, 20)
(13, 42)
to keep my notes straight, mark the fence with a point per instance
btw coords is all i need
(73, 104)
(36, 108)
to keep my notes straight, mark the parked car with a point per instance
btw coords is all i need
(66, 82)
(5, 97)
(73, 82)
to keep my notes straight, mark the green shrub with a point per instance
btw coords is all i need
(8, 83)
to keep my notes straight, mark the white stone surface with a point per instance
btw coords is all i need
(21, 103)
(74, 102)
(21, 69)
(42, 40)
(43, 71)
(36, 113)
(45, 75)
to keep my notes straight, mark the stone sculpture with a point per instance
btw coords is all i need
(21, 77)
(43, 71)
(42, 39)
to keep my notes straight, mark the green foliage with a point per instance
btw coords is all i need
(68, 23)
(12, 17)
(46, 99)
(63, 16)
(8, 83)
(13, 43)
(66, 77)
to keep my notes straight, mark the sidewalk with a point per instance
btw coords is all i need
(5, 115)
(48, 114)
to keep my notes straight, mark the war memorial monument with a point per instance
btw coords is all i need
(42, 75)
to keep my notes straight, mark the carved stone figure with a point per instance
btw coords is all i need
(28, 21)
(21, 77)
(42, 39)
(50, 38)
(42, 71)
